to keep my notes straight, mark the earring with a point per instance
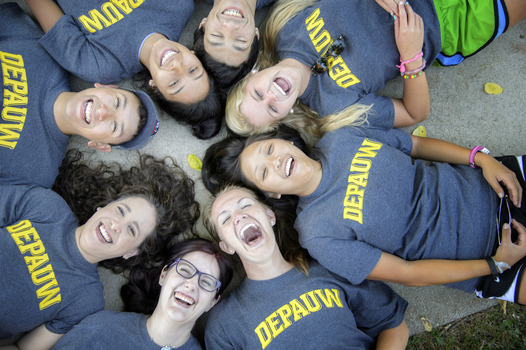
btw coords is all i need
(291, 110)
(151, 83)
(254, 71)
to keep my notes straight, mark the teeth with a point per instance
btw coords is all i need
(232, 12)
(167, 56)
(87, 112)
(287, 167)
(184, 298)
(246, 228)
(105, 234)
(279, 88)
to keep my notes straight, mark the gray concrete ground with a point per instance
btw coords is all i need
(461, 112)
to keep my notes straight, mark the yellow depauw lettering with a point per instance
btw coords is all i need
(357, 180)
(264, 334)
(278, 321)
(321, 39)
(15, 96)
(28, 240)
(110, 13)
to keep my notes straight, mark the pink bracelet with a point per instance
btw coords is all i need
(403, 63)
(415, 71)
(472, 155)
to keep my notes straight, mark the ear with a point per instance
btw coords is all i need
(224, 247)
(273, 195)
(163, 275)
(99, 85)
(256, 33)
(213, 303)
(103, 147)
(271, 216)
(131, 253)
(203, 21)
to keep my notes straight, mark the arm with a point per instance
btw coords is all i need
(414, 107)
(494, 172)
(38, 338)
(393, 338)
(436, 271)
(47, 12)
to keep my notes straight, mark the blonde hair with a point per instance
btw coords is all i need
(291, 250)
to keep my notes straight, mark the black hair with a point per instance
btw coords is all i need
(141, 292)
(226, 76)
(204, 117)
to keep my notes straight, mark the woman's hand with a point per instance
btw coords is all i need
(509, 251)
(409, 34)
(391, 6)
(496, 173)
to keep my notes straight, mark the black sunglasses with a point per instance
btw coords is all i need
(335, 49)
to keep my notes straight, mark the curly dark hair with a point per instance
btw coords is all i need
(161, 182)
(141, 292)
(204, 117)
(225, 76)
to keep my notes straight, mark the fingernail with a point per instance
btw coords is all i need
(506, 226)
(401, 2)
(501, 195)
(394, 17)
(407, 2)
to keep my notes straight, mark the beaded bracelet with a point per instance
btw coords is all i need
(412, 76)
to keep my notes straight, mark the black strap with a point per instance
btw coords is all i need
(492, 266)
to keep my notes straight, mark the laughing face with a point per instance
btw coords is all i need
(277, 166)
(117, 229)
(230, 30)
(270, 94)
(181, 299)
(177, 73)
(244, 225)
(103, 114)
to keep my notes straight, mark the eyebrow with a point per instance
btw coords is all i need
(124, 104)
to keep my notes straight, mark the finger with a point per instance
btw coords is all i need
(521, 232)
(402, 14)
(506, 234)
(494, 183)
(514, 189)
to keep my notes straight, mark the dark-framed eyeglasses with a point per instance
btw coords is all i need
(187, 270)
(335, 49)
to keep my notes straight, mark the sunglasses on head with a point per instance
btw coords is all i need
(335, 49)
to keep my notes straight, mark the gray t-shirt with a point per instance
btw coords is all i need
(114, 330)
(376, 198)
(31, 145)
(45, 278)
(99, 41)
(296, 311)
(369, 59)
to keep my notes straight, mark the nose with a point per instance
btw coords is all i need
(115, 225)
(103, 112)
(176, 64)
(275, 162)
(240, 217)
(192, 283)
(230, 23)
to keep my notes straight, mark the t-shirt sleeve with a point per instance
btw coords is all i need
(215, 335)
(376, 307)
(381, 114)
(351, 259)
(76, 53)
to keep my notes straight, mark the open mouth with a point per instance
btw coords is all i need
(104, 233)
(184, 299)
(88, 111)
(167, 55)
(288, 166)
(231, 12)
(282, 85)
(250, 234)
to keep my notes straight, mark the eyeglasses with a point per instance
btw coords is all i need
(187, 270)
(335, 49)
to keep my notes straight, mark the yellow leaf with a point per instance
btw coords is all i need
(492, 88)
(195, 162)
(427, 325)
(503, 304)
(420, 131)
